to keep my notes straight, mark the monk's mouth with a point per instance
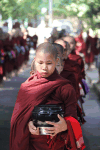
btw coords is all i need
(44, 73)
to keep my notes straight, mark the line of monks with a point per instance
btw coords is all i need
(71, 65)
(14, 51)
(88, 48)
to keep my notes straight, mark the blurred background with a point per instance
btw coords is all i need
(24, 24)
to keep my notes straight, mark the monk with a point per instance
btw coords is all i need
(76, 65)
(2, 60)
(35, 41)
(73, 56)
(66, 72)
(45, 87)
(91, 50)
(80, 44)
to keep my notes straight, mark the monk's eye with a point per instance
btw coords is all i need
(40, 62)
(49, 63)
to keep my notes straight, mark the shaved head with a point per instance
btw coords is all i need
(69, 37)
(59, 47)
(47, 48)
(71, 41)
(61, 42)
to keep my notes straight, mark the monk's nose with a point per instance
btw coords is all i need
(44, 67)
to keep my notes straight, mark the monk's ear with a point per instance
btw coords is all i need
(30, 72)
(63, 63)
(57, 60)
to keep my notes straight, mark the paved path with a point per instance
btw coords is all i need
(8, 94)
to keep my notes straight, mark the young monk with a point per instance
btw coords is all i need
(78, 65)
(63, 44)
(59, 65)
(66, 73)
(73, 56)
(69, 71)
(45, 87)
(72, 72)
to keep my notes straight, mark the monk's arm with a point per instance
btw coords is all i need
(68, 96)
(69, 99)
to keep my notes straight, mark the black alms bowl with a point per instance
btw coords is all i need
(42, 113)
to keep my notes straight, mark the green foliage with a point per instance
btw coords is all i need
(86, 10)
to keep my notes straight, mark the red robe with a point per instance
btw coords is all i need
(90, 42)
(72, 72)
(73, 56)
(34, 91)
(2, 58)
(95, 49)
(9, 64)
(82, 46)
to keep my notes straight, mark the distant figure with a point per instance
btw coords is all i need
(80, 44)
(91, 50)
(35, 40)
(98, 59)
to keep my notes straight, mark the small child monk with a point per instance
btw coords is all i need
(46, 86)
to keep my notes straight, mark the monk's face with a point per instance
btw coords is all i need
(71, 42)
(62, 43)
(45, 63)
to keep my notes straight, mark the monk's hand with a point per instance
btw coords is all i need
(58, 126)
(33, 129)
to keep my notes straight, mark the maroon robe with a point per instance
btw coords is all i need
(95, 49)
(34, 91)
(72, 72)
(82, 46)
(89, 57)
(73, 56)
(9, 65)
(2, 57)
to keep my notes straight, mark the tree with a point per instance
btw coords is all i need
(86, 10)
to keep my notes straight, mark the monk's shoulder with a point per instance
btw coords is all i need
(66, 92)
(66, 89)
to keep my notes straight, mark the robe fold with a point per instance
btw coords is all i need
(34, 91)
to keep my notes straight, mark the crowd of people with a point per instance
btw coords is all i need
(14, 51)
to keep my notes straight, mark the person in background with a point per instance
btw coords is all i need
(89, 53)
(98, 59)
